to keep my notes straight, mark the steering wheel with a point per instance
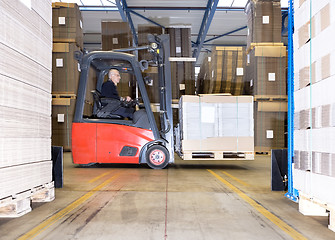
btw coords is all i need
(130, 104)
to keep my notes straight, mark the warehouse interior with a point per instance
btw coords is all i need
(231, 126)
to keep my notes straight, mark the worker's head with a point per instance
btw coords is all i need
(114, 76)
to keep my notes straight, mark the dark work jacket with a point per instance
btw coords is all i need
(109, 90)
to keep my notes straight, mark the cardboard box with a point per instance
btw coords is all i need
(267, 75)
(65, 74)
(270, 125)
(67, 23)
(264, 21)
(115, 35)
(204, 75)
(182, 73)
(225, 72)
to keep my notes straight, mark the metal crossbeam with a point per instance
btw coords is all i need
(148, 19)
(125, 15)
(208, 17)
(225, 34)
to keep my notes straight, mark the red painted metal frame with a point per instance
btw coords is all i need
(103, 142)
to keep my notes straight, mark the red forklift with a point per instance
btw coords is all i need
(101, 137)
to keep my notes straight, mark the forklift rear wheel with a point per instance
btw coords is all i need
(157, 157)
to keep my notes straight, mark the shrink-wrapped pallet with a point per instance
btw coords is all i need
(25, 97)
(314, 128)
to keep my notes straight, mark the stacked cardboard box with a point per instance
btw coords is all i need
(182, 73)
(264, 21)
(225, 71)
(203, 78)
(314, 161)
(67, 23)
(216, 123)
(116, 35)
(25, 99)
(67, 39)
(266, 72)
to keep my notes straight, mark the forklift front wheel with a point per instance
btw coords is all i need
(157, 157)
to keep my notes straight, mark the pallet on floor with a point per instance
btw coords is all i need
(311, 206)
(19, 204)
(217, 155)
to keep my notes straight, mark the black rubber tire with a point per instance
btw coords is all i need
(157, 157)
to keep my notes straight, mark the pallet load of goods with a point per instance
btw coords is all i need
(266, 73)
(314, 108)
(67, 39)
(215, 127)
(25, 106)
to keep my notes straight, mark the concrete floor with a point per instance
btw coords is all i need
(188, 200)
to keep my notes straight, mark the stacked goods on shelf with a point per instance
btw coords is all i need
(224, 71)
(182, 72)
(314, 130)
(67, 39)
(264, 21)
(217, 125)
(266, 73)
(266, 70)
(152, 72)
(67, 23)
(25, 104)
(203, 79)
(116, 35)
(270, 124)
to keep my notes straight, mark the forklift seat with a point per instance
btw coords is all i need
(104, 107)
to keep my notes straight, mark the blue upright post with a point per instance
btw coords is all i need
(292, 193)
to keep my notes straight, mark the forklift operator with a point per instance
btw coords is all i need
(109, 90)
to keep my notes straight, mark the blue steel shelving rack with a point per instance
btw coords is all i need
(292, 193)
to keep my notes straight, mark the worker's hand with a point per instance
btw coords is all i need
(128, 99)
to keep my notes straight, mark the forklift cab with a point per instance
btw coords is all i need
(99, 135)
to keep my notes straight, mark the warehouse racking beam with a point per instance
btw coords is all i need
(125, 15)
(225, 34)
(147, 19)
(203, 31)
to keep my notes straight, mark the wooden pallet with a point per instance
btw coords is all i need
(45, 193)
(217, 155)
(311, 206)
(15, 206)
(20, 204)
(63, 99)
(69, 95)
(263, 153)
(271, 98)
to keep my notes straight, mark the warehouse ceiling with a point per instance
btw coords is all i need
(212, 22)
